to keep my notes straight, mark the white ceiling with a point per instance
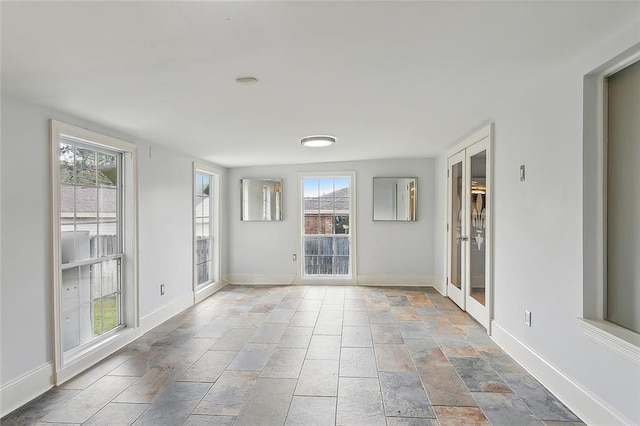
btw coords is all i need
(388, 79)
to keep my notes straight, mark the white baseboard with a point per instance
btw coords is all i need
(590, 408)
(259, 279)
(26, 387)
(395, 280)
(165, 312)
(209, 290)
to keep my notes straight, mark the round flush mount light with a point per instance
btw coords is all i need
(318, 141)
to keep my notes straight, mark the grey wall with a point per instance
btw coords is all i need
(165, 242)
(538, 244)
(262, 252)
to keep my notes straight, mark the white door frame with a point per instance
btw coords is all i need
(483, 314)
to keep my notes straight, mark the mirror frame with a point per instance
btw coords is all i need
(278, 207)
(413, 216)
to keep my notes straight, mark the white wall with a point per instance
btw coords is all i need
(165, 242)
(538, 241)
(387, 252)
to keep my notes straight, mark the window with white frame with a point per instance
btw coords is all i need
(327, 231)
(94, 239)
(205, 224)
(611, 233)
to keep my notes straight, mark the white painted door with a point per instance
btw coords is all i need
(469, 227)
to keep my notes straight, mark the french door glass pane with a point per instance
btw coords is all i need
(455, 275)
(203, 228)
(478, 219)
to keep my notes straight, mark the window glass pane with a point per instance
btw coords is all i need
(107, 204)
(97, 317)
(341, 264)
(85, 322)
(325, 265)
(107, 169)
(110, 314)
(206, 185)
(86, 243)
(70, 327)
(311, 245)
(310, 188)
(342, 187)
(86, 167)
(89, 285)
(69, 293)
(325, 187)
(67, 163)
(110, 277)
(107, 239)
(325, 245)
(341, 246)
(341, 224)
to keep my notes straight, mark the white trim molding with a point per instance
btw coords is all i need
(590, 408)
(624, 342)
(23, 389)
(395, 280)
(260, 279)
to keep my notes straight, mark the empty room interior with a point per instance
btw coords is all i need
(305, 212)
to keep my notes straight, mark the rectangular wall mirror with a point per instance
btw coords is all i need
(395, 199)
(261, 199)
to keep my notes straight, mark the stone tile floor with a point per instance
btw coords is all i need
(306, 355)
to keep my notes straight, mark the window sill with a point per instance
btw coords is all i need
(615, 338)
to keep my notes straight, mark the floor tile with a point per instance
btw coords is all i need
(209, 367)
(282, 316)
(411, 421)
(505, 409)
(312, 410)
(460, 416)
(253, 357)
(386, 333)
(269, 402)
(188, 352)
(290, 303)
(250, 320)
(175, 405)
(393, 357)
(234, 340)
(89, 401)
(318, 378)
(413, 330)
(357, 337)
(139, 363)
(358, 362)
(355, 318)
(268, 332)
(324, 347)
(203, 420)
(384, 317)
(116, 414)
(539, 400)
(304, 319)
(284, 363)
(147, 388)
(216, 329)
(355, 305)
(403, 395)
(296, 337)
(444, 386)
(229, 394)
(359, 402)
(310, 305)
(478, 375)
(92, 375)
(37, 408)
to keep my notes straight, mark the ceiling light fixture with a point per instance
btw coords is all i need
(318, 141)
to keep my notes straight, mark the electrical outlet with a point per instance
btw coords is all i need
(527, 318)
(161, 289)
(295, 257)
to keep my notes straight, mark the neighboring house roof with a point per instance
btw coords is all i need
(337, 201)
(86, 200)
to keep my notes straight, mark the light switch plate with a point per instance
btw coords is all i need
(522, 172)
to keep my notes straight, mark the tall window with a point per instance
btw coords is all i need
(91, 240)
(327, 230)
(205, 208)
(94, 241)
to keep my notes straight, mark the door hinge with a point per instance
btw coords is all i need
(447, 172)
(447, 227)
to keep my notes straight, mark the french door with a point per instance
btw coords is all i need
(469, 227)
